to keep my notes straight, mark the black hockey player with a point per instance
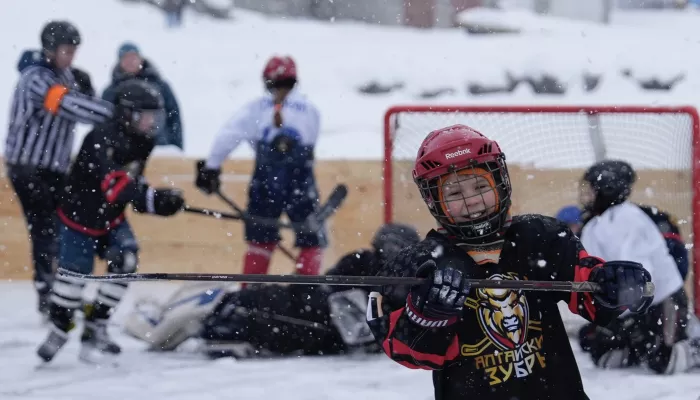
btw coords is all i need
(274, 320)
(105, 178)
(491, 343)
(619, 229)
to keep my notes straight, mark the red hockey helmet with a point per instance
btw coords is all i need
(279, 69)
(459, 155)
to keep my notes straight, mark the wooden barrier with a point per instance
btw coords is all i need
(193, 243)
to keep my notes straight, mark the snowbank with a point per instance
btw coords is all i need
(214, 66)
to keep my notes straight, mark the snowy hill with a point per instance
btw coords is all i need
(214, 66)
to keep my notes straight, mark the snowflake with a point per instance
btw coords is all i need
(437, 252)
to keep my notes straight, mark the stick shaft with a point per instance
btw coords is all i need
(342, 280)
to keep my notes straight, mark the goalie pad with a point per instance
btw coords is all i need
(349, 316)
(164, 326)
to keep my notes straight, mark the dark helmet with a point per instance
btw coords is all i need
(132, 98)
(611, 181)
(56, 33)
(392, 238)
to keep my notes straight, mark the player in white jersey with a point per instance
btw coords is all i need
(616, 229)
(283, 127)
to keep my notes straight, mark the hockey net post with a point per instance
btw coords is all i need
(547, 150)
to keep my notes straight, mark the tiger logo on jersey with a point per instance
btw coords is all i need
(503, 315)
(505, 352)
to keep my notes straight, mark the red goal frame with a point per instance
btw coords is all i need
(591, 110)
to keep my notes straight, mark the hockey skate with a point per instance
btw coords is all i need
(52, 344)
(97, 346)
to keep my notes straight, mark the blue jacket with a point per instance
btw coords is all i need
(172, 132)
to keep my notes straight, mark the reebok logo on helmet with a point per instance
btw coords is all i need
(457, 153)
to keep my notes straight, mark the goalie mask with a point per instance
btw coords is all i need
(463, 179)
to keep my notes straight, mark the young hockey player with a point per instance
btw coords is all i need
(619, 229)
(282, 127)
(106, 176)
(491, 343)
(273, 320)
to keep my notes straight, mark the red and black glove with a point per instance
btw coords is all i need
(440, 301)
(622, 286)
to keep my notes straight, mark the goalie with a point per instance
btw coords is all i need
(273, 320)
(618, 229)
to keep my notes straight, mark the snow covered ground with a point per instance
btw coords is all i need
(184, 375)
(214, 68)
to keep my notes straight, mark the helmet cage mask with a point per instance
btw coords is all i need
(488, 226)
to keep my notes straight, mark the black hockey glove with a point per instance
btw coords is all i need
(84, 83)
(439, 302)
(622, 284)
(207, 179)
(167, 202)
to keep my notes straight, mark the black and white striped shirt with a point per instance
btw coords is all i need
(45, 108)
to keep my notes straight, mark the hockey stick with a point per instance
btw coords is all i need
(343, 280)
(312, 224)
(240, 211)
(281, 318)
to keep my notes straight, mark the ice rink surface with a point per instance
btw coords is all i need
(184, 375)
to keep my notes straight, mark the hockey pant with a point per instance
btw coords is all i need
(38, 192)
(299, 200)
(77, 252)
(658, 339)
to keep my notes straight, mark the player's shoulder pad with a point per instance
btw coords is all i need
(535, 224)
(666, 222)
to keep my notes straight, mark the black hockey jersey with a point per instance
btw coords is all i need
(508, 344)
(105, 177)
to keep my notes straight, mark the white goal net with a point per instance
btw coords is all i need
(547, 150)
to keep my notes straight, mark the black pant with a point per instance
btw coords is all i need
(257, 316)
(38, 191)
(647, 337)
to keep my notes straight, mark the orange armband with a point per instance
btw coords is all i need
(53, 98)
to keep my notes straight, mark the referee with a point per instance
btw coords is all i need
(47, 102)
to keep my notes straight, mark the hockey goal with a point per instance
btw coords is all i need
(548, 148)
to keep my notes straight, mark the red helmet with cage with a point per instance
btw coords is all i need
(459, 155)
(280, 70)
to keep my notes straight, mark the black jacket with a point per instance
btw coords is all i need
(508, 344)
(106, 176)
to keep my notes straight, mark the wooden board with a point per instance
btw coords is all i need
(193, 243)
